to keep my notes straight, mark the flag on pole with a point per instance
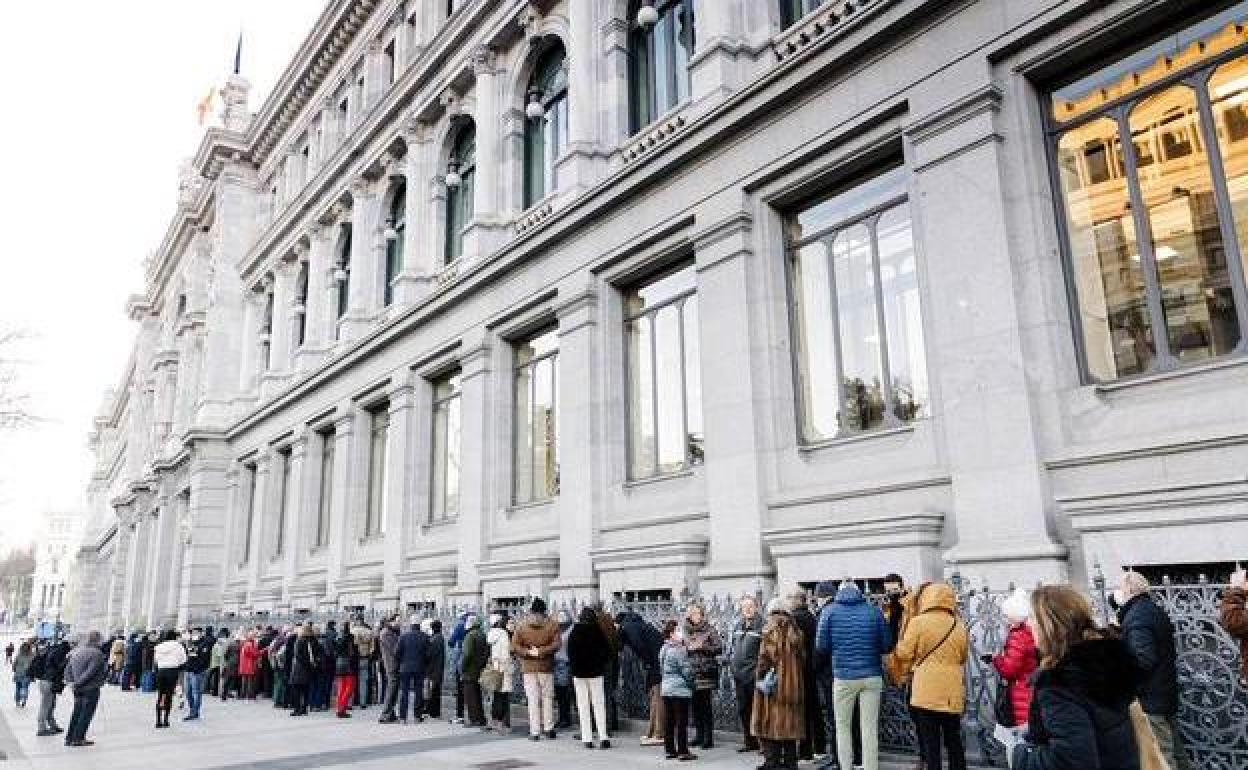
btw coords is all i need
(238, 54)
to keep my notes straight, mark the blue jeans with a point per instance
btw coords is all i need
(21, 689)
(194, 684)
(407, 681)
(84, 712)
(362, 688)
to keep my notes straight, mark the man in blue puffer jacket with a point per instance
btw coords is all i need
(855, 636)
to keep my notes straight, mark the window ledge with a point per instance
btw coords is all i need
(1230, 362)
(522, 507)
(373, 538)
(439, 524)
(659, 478)
(856, 439)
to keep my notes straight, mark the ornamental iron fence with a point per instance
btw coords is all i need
(1214, 697)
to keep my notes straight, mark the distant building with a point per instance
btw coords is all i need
(596, 298)
(56, 547)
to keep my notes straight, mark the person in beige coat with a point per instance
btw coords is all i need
(933, 651)
(535, 643)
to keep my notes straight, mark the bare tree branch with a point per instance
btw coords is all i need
(14, 401)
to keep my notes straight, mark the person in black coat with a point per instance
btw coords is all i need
(1149, 634)
(435, 670)
(1082, 692)
(133, 664)
(813, 741)
(645, 641)
(412, 658)
(589, 655)
(305, 667)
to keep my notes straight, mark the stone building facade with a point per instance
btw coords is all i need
(600, 297)
(51, 596)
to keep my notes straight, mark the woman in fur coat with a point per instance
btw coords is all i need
(777, 717)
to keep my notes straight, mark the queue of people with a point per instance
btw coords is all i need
(808, 680)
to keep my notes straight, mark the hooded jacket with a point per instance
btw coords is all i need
(1079, 717)
(475, 652)
(934, 652)
(1016, 663)
(1233, 618)
(1149, 634)
(853, 634)
(536, 631)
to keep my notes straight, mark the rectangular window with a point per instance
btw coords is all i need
(1151, 165)
(446, 458)
(858, 331)
(664, 375)
(536, 418)
(325, 501)
(250, 504)
(388, 64)
(283, 505)
(379, 430)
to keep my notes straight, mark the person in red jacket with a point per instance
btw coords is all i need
(248, 660)
(1019, 660)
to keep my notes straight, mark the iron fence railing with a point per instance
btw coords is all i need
(1214, 697)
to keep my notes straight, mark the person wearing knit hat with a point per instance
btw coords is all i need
(778, 716)
(1019, 659)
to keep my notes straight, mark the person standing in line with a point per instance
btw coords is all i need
(216, 663)
(704, 646)
(413, 658)
(435, 670)
(474, 657)
(563, 674)
(646, 641)
(85, 672)
(248, 657)
(388, 647)
(132, 664)
(116, 658)
(677, 687)
(747, 635)
(329, 666)
(1019, 658)
(305, 667)
(813, 739)
(933, 652)
(198, 651)
(502, 662)
(8, 654)
(1149, 634)
(778, 717)
(535, 643)
(1233, 615)
(275, 657)
(455, 655)
(229, 665)
(168, 658)
(855, 637)
(365, 644)
(589, 654)
(147, 681)
(899, 608)
(1083, 691)
(50, 671)
(611, 679)
(21, 680)
(346, 666)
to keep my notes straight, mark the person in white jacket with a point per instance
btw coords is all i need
(499, 640)
(169, 657)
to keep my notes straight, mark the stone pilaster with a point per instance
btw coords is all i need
(400, 462)
(259, 510)
(366, 254)
(206, 561)
(613, 42)
(479, 413)
(1000, 488)
(299, 507)
(585, 159)
(486, 231)
(340, 520)
(420, 260)
(719, 60)
(579, 504)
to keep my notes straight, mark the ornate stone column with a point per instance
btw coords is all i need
(613, 39)
(579, 505)
(364, 298)
(400, 463)
(585, 160)
(259, 510)
(721, 53)
(485, 233)
(340, 519)
(419, 260)
(298, 508)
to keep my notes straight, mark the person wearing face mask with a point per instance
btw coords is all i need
(1149, 635)
(198, 652)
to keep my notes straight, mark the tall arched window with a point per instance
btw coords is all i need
(461, 175)
(342, 268)
(546, 128)
(301, 305)
(659, 48)
(791, 11)
(396, 223)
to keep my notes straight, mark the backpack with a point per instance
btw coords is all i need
(38, 665)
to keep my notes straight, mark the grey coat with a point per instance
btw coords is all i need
(676, 670)
(86, 669)
(746, 637)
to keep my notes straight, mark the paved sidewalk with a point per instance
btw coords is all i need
(237, 735)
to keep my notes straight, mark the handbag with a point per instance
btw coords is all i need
(491, 679)
(767, 685)
(1151, 757)
(1002, 706)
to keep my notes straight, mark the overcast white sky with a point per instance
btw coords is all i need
(99, 110)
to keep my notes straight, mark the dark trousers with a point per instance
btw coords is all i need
(84, 712)
(500, 707)
(407, 682)
(212, 680)
(814, 741)
(745, 707)
(563, 704)
(611, 684)
(475, 712)
(937, 728)
(703, 719)
(127, 675)
(433, 704)
(459, 697)
(780, 754)
(676, 726)
(297, 696)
